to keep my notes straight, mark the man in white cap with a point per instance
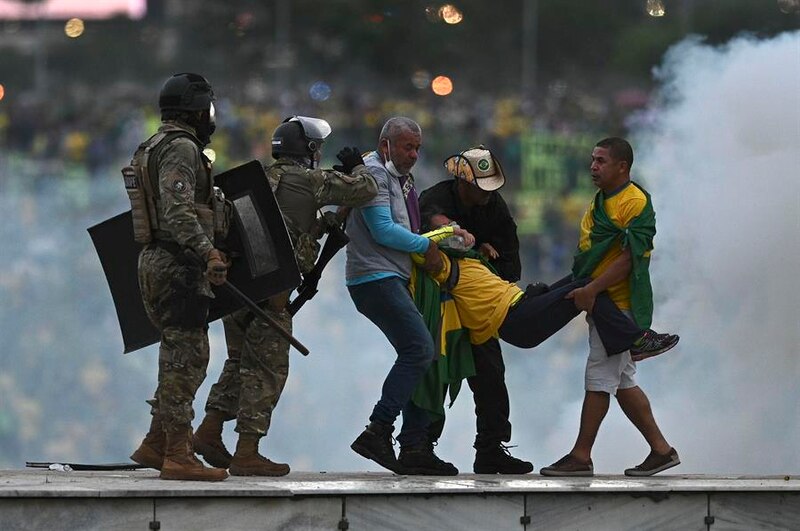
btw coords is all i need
(473, 202)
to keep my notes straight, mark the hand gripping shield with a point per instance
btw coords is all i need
(263, 257)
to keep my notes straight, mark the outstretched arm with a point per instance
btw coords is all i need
(390, 234)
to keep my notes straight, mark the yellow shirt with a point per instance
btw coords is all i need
(621, 208)
(482, 298)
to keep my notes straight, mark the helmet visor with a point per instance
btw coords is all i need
(313, 128)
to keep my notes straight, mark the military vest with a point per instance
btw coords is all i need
(297, 200)
(142, 185)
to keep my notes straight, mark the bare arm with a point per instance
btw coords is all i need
(618, 271)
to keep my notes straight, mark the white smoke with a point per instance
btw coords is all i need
(719, 150)
(721, 158)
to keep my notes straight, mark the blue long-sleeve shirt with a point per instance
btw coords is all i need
(387, 232)
(380, 234)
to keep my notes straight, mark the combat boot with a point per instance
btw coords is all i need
(151, 452)
(420, 460)
(181, 463)
(248, 462)
(496, 459)
(207, 440)
(376, 443)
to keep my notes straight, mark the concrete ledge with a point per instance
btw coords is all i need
(42, 499)
(145, 483)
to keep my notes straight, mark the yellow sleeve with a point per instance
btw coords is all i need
(629, 209)
(587, 222)
(440, 234)
(436, 235)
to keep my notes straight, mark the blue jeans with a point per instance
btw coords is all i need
(388, 304)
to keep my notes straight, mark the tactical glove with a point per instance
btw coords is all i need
(350, 157)
(217, 267)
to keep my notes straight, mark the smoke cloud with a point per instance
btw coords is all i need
(719, 150)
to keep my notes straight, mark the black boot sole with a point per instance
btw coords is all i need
(211, 455)
(363, 451)
(503, 471)
(429, 472)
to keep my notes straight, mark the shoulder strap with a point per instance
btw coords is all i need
(152, 150)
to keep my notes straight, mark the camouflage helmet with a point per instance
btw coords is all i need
(186, 92)
(299, 136)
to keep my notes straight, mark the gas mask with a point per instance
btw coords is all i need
(206, 128)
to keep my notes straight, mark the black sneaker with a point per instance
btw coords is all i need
(652, 344)
(376, 443)
(497, 459)
(421, 461)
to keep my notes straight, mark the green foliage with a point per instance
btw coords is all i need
(719, 20)
(639, 47)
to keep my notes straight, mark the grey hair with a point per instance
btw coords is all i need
(398, 125)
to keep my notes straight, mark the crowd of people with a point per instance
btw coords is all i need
(63, 162)
(82, 142)
(183, 221)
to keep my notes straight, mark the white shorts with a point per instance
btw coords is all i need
(607, 373)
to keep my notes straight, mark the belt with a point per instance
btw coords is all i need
(169, 246)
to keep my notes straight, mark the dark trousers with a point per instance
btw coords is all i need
(529, 323)
(491, 397)
(536, 318)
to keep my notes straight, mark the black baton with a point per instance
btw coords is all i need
(256, 309)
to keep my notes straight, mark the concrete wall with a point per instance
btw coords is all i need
(480, 511)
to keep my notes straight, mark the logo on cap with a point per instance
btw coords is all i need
(477, 166)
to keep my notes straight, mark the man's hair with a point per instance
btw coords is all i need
(398, 125)
(618, 148)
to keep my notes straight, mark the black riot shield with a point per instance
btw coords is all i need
(262, 253)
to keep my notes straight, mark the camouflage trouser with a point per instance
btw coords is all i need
(176, 297)
(255, 371)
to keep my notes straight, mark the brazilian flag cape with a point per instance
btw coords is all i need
(454, 360)
(638, 235)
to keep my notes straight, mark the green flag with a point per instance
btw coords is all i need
(454, 360)
(638, 235)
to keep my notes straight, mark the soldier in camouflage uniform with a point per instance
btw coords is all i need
(178, 204)
(258, 358)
